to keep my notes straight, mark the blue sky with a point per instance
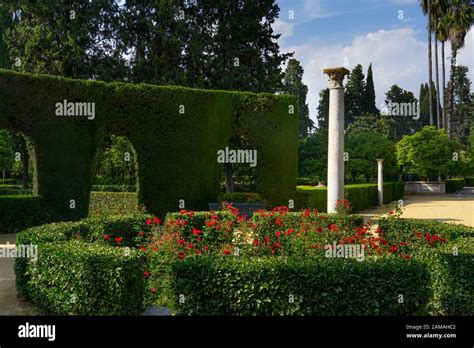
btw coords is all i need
(390, 34)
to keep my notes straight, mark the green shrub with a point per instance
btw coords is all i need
(240, 197)
(100, 280)
(114, 188)
(88, 230)
(397, 230)
(265, 286)
(360, 196)
(20, 212)
(112, 203)
(11, 182)
(469, 181)
(453, 185)
(452, 272)
(14, 192)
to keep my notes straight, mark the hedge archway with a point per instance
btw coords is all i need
(176, 133)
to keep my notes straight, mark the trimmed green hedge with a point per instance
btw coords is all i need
(15, 192)
(397, 230)
(113, 203)
(453, 185)
(175, 131)
(88, 230)
(264, 286)
(240, 197)
(20, 212)
(114, 188)
(361, 196)
(452, 273)
(100, 280)
(469, 181)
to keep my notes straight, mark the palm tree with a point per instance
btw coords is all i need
(426, 8)
(438, 8)
(442, 36)
(460, 19)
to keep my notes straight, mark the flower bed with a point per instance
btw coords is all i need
(252, 266)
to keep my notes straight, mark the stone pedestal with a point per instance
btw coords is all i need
(335, 180)
(380, 180)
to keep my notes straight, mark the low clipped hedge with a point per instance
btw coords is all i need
(264, 286)
(469, 181)
(20, 212)
(452, 273)
(100, 279)
(361, 196)
(453, 185)
(114, 188)
(87, 230)
(397, 230)
(240, 197)
(113, 203)
(14, 191)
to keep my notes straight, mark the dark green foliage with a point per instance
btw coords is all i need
(262, 286)
(240, 197)
(169, 167)
(114, 188)
(354, 97)
(470, 181)
(323, 109)
(100, 280)
(293, 84)
(369, 95)
(20, 212)
(453, 185)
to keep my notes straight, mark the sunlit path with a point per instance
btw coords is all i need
(453, 208)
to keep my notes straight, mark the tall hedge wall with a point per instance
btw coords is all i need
(176, 152)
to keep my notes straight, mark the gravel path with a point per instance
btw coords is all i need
(455, 207)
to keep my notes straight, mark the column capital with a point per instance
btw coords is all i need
(380, 160)
(336, 76)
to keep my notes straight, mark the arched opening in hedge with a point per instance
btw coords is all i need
(176, 132)
(17, 163)
(115, 180)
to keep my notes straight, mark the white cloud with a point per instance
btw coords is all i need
(397, 57)
(284, 28)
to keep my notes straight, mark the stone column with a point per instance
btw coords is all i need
(380, 180)
(335, 137)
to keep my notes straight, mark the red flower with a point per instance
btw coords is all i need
(226, 252)
(142, 248)
(256, 242)
(153, 290)
(319, 229)
(106, 236)
(278, 221)
(205, 247)
(393, 248)
(332, 227)
(181, 256)
(196, 232)
(146, 274)
(180, 241)
(277, 245)
(198, 251)
(403, 243)
(407, 257)
(278, 234)
(156, 221)
(140, 234)
(118, 240)
(267, 239)
(149, 221)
